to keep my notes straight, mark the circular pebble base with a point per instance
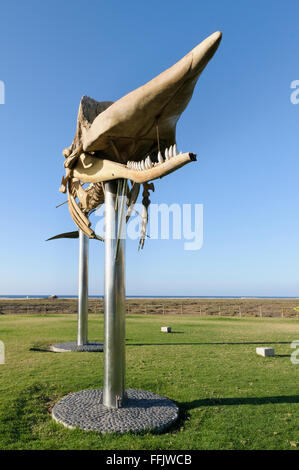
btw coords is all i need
(142, 411)
(72, 346)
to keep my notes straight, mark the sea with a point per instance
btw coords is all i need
(25, 296)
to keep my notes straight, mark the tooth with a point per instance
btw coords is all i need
(139, 166)
(174, 150)
(160, 158)
(149, 162)
(170, 152)
(166, 154)
(181, 153)
(142, 165)
(147, 165)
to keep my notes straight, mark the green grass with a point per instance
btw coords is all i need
(229, 398)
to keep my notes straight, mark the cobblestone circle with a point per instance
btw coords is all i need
(142, 411)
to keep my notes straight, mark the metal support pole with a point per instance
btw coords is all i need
(114, 305)
(83, 290)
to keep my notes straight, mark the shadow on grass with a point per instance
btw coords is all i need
(205, 402)
(41, 350)
(259, 343)
(186, 407)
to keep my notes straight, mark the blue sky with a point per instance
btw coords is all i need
(240, 122)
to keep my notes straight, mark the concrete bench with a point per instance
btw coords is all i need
(166, 329)
(265, 352)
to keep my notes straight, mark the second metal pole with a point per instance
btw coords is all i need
(114, 306)
(83, 290)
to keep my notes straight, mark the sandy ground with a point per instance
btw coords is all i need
(222, 307)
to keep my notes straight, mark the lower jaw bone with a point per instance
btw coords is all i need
(106, 170)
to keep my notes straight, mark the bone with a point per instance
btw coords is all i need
(106, 170)
(133, 195)
(148, 162)
(78, 217)
(160, 158)
(138, 110)
(66, 152)
(130, 116)
(86, 160)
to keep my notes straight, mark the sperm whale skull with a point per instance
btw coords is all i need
(134, 137)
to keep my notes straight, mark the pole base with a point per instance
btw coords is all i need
(73, 346)
(142, 411)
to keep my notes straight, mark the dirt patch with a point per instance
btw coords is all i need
(202, 307)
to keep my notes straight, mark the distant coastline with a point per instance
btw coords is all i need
(24, 297)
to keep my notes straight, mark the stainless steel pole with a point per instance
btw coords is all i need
(83, 290)
(114, 305)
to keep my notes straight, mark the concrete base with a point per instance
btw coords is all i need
(142, 411)
(265, 352)
(72, 346)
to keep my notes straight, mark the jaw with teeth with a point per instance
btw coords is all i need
(111, 137)
(139, 172)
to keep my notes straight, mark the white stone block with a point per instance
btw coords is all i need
(265, 352)
(166, 329)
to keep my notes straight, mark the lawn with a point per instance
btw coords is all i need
(229, 398)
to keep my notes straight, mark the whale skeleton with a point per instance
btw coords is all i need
(131, 139)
